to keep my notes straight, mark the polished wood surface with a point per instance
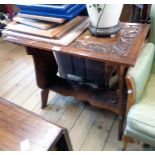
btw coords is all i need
(18, 125)
(134, 35)
(131, 90)
(120, 50)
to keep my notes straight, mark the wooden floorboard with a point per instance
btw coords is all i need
(71, 114)
(89, 128)
(82, 127)
(112, 144)
(20, 86)
(57, 108)
(11, 84)
(24, 94)
(96, 138)
(4, 45)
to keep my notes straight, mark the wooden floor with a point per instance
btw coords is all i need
(89, 128)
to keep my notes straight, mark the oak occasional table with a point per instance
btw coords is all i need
(120, 51)
(23, 130)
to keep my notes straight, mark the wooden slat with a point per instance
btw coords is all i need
(8, 86)
(32, 101)
(4, 50)
(57, 109)
(98, 133)
(20, 85)
(25, 94)
(82, 127)
(15, 56)
(12, 59)
(52, 97)
(13, 71)
(112, 143)
(71, 114)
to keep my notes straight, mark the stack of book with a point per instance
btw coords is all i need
(56, 24)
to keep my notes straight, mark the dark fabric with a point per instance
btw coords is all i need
(88, 70)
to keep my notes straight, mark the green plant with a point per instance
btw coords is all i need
(97, 6)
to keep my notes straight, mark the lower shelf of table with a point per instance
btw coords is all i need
(101, 98)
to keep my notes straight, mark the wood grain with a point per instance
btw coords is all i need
(14, 80)
(21, 85)
(58, 109)
(42, 135)
(25, 94)
(44, 18)
(128, 60)
(71, 113)
(96, 138)
(112, 144)
(27, 104)
(11, 60)
(70, 26)
(82, 127)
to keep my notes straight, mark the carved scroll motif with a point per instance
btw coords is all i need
(121, 47)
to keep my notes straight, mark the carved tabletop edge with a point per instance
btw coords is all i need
(71, 50)
(119, 45)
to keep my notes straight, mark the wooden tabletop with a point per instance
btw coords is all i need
(22, 130)
(122, 49)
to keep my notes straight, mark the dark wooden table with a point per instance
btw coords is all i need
(120, 52)
(23, 130)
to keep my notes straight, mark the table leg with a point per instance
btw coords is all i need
(109, 71)
(121, 74)
(44, 97)
(45, 68)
